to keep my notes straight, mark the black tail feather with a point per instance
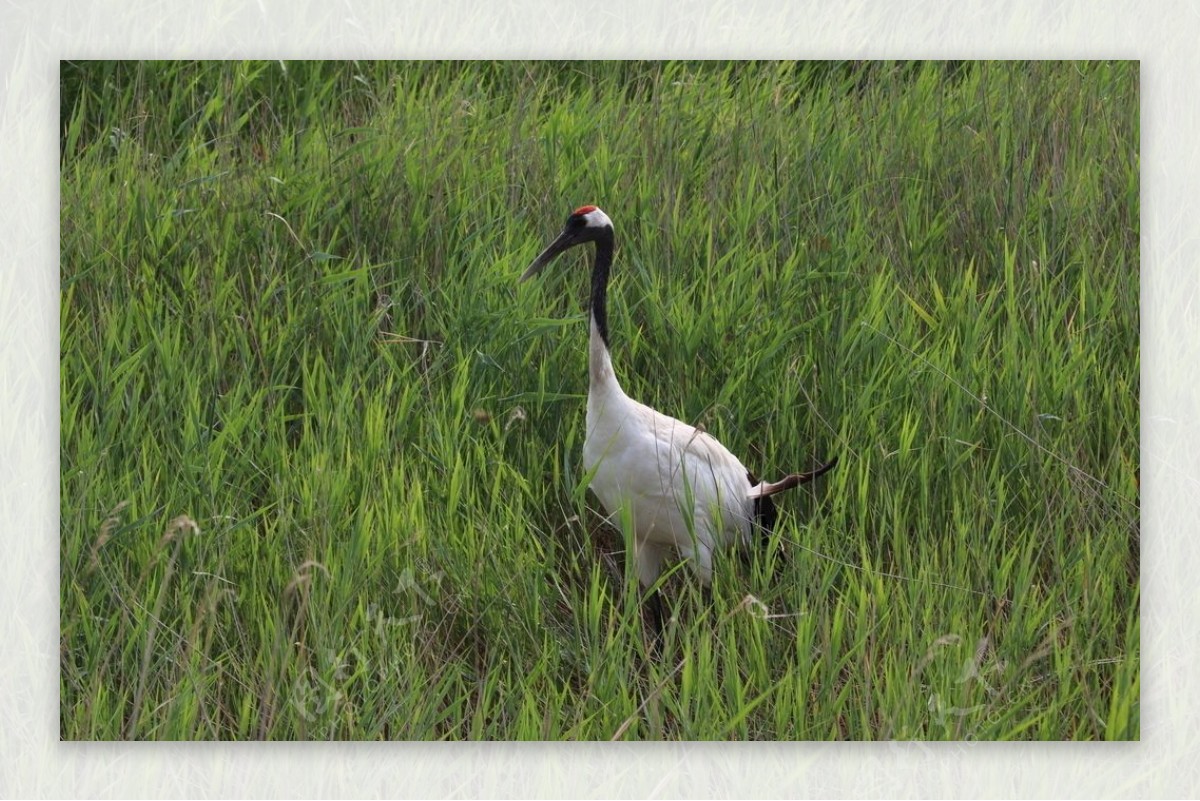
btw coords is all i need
(764, 513)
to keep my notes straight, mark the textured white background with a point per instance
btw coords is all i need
(35, 35)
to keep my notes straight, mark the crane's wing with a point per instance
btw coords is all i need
(766, 489)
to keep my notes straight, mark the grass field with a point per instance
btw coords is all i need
(320, 453)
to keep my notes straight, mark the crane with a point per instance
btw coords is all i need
(683, 489)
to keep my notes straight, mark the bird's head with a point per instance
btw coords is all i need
(586, 224)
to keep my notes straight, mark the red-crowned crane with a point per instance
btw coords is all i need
(683, 488)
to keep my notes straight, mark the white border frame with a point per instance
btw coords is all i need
(34, 37)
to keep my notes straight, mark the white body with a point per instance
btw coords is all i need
(682, 487)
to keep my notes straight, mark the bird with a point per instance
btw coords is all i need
(684, 490)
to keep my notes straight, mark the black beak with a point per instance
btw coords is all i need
(565, 241)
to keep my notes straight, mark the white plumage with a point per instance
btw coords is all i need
(684, 490)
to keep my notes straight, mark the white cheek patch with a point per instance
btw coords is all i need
(597, 219)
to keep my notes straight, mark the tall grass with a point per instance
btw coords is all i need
(320, 453)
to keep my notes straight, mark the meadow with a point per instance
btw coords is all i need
(320, 452)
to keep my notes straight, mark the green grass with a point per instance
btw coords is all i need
(321, 454)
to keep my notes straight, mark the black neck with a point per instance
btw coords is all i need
(600, 268)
